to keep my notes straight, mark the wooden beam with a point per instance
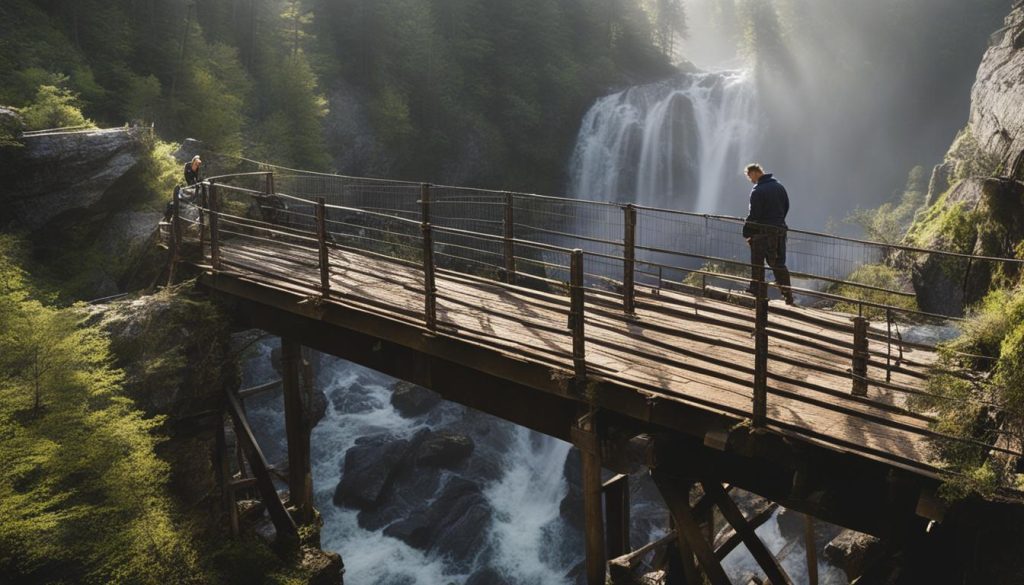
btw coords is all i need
(576, 316)
(629, 259)
(859, 368)
(300, 477)
(509, 237)
(769, 564)
(810, 545)
(621, 568)
(728, 539)
(616, 514)
(256, 390)
(677, 497)
(283, 522)
(593, 517)
(321, 240)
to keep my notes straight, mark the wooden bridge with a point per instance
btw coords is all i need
(616, 327)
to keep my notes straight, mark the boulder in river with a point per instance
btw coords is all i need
(368, 468)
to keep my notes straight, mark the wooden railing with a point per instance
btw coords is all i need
(407, 233)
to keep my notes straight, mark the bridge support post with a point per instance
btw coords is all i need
(616, 514)
(509, 237)
(429, 286)
(203, 203)
(214, 226)
(175, 239)
(859, 370)
(760, 406)
(269, 186)
(629, 260)
(576, 316)
(425, 203)
(321, 238)
(300, 475)
(586, 439)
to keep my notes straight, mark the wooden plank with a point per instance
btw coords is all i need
(515, 320)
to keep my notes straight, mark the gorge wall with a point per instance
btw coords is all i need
(975, 202)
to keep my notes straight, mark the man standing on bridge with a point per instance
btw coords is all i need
(765, 229)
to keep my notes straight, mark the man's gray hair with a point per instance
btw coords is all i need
(753, 167)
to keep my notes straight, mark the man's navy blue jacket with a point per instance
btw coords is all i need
(769, 204)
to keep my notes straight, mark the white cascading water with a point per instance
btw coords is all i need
(525, 498)
(673, 144)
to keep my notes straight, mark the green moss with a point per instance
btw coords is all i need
(986, 407)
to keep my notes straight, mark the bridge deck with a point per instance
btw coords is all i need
(679, 347)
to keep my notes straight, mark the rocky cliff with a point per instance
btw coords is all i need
(975, 202)
(89, 201)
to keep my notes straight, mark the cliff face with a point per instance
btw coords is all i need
(86, 201)
(976, 196)
(997, 112)
(59, 172)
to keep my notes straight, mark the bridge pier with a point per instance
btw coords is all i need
(297, 428)
(586, 439)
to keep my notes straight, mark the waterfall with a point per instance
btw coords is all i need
(675, 144)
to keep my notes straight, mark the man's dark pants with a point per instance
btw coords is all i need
(770, 248)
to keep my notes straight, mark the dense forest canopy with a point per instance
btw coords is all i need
(491, 92)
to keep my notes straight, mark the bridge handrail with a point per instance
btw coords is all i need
(576, 201)
(392, 216)
(576, 286)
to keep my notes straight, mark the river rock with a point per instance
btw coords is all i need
(323, 567)
(409, 490)
(444, 449)
(411, 400)
(452, 526)
(853, 552)
(368, 467)
(571, 506)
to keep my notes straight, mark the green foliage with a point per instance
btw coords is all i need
(717, 267)
(889, 222)
(986, 408)
(971, 159)
(952, 227)
(879, 276)
(82, 492)
(54, 107)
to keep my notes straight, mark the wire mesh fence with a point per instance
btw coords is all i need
(528, 240)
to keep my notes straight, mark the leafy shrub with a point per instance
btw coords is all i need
(54, 107)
